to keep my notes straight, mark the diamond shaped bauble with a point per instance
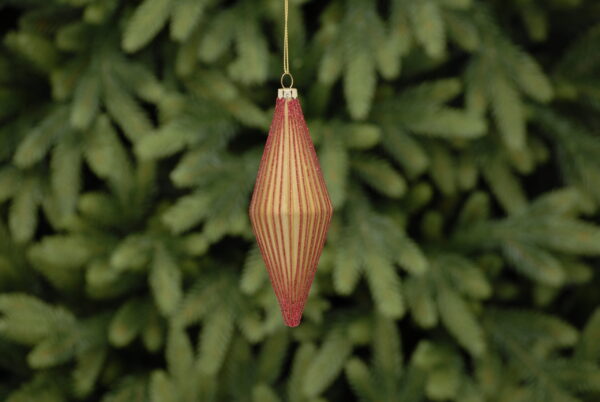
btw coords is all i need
(290, 209)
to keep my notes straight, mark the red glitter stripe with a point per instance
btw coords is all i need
(302, 218)
(278, 172)
(308, 274)
(269, 253)
(309, 193)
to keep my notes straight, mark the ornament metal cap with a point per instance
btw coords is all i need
(287, 93)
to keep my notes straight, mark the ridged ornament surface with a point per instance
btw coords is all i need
(290, 209)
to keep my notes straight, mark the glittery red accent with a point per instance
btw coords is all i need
(290, 209)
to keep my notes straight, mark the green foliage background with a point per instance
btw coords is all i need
(460, 141)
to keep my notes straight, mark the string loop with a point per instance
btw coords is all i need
(283, 79)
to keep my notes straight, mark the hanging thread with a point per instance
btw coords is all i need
(286, 57)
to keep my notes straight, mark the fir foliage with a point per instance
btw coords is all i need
(460, 143)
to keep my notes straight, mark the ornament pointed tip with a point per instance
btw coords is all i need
(292, 320)
(292, 315)
(292, 324)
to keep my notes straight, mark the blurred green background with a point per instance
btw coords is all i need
(460, 142)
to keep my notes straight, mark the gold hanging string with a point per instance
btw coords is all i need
(286, 56)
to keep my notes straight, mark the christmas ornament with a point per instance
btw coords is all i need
(290, 209)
